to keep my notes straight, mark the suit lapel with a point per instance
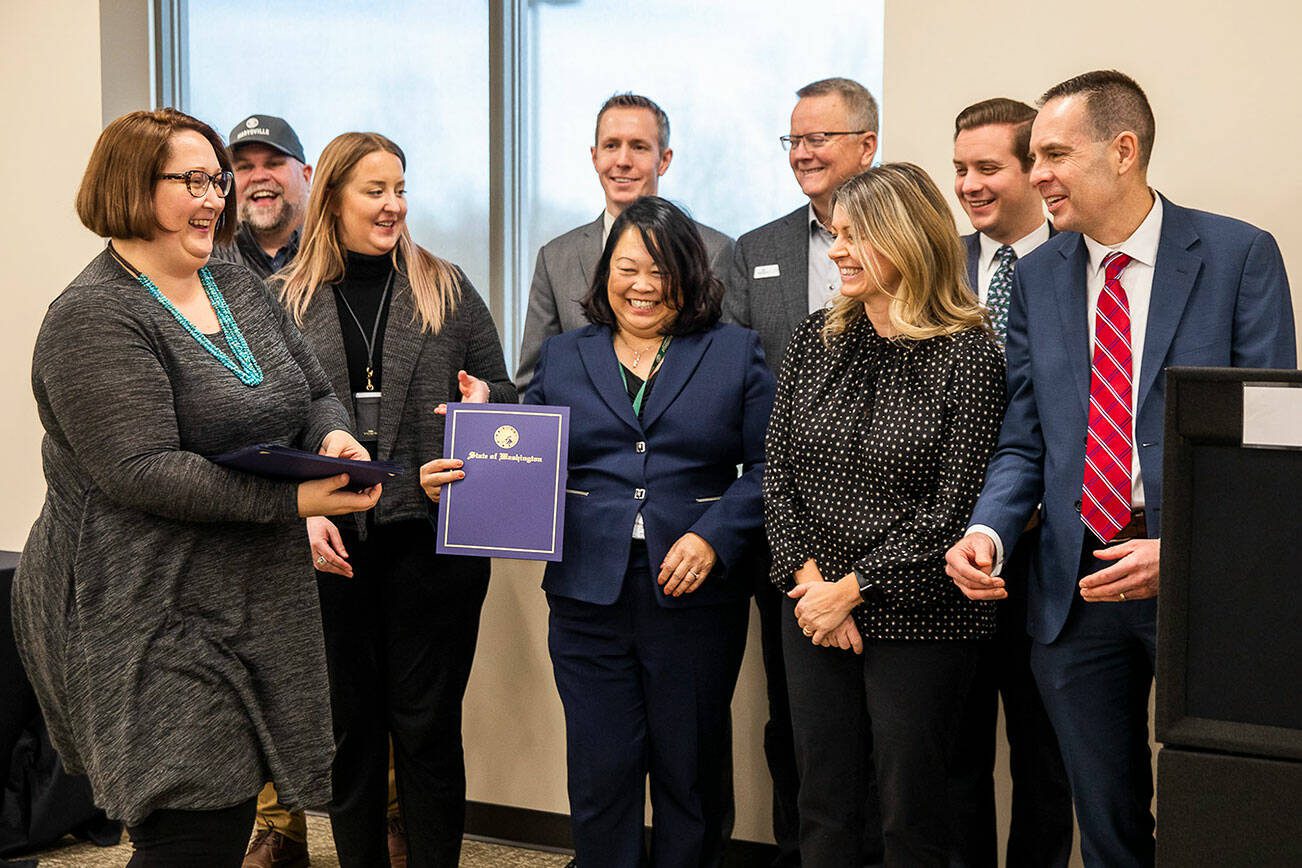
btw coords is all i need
(1174, 273)
(793, 267)
(321, 323)
(973, 259)
(403, 340)
(590, 253)
(680, 362)
(1073, 310)
(598, 356)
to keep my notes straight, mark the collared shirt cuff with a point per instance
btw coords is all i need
(999, 545)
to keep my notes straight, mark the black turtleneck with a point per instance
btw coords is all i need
(362, 287)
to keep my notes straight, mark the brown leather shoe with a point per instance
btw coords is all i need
(270, 849)
(397, 843)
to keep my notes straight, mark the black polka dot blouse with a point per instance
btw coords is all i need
(875, 455)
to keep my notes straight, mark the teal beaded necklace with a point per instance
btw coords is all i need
(248, 371)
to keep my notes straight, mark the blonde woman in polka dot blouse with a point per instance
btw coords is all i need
(887, 410)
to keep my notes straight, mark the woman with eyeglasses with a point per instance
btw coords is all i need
(402, 332)
(159, 593)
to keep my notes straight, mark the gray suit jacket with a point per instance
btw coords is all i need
(420, 372)
(774, 303)
(563, 275)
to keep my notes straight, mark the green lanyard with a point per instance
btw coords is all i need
(641, 392)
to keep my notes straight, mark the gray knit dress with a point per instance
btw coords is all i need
(165, 607)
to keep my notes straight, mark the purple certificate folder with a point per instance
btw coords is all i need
(512, 502)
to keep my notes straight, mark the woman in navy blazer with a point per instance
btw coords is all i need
(648, 606)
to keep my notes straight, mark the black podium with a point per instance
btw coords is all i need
(1229, 661)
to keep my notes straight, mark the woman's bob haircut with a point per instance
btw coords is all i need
(671, 238)
(116, 197)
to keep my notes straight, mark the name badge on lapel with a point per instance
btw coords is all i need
(762, 271)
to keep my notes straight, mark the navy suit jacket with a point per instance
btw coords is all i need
(705, 415)
(1220, 298)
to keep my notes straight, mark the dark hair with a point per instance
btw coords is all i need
(1114, 103)
(633, 100)
(1004, 112)
(116, 196)
(859, 103)
(671, 238)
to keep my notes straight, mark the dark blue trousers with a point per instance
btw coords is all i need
(647, 690)
(1095, 680)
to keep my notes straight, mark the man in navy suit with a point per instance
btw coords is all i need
(992, 180)
(1149, 284)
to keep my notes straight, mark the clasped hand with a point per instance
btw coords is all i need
(823, 608)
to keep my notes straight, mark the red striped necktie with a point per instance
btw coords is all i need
(1105, 504)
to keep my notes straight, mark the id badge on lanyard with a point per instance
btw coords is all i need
(366, 410)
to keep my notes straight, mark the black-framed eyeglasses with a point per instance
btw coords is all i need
(814, 141)
(197, 182)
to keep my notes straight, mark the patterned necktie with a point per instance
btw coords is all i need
(1001, 291)
(1105, 505)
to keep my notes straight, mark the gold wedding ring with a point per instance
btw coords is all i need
(1121, 595)
(320, 559)
(807, 631)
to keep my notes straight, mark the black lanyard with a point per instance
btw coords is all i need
(641, 392)
(375, 329)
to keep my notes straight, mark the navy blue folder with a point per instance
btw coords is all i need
(284, 462)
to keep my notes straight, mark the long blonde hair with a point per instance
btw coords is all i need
(898, 211)
(435, 283)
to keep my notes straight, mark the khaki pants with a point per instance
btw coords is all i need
(293, 824)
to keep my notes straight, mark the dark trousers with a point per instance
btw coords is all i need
(646, 690)
(908, 696)
(1095, 679)
(779, 744)
(400, 638)
(1040, 830)
(192, 839)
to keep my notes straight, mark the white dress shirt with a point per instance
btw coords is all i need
(607, 221)
(1137, 281)
(987, 265)
(824, 276)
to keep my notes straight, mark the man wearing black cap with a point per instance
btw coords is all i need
(271, 180)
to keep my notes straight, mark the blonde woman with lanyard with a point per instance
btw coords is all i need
(401, 331)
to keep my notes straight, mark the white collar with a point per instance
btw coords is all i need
(1022, 246)
(814, 224)
(1141, 246)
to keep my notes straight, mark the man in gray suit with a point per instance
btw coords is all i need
(781, 274)
(630, 152)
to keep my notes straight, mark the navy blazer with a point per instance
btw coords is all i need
(705, 415)
(1220, 298)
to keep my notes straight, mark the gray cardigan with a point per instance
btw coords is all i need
(165, 607)
(420, 372)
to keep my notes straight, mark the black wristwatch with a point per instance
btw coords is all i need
(870, 591)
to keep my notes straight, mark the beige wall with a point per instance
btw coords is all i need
(1211, 77)
(50, 98)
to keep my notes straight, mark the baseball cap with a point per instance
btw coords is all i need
(268, 130)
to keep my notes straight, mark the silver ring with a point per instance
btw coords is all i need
(321, 559)
(807, 631)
